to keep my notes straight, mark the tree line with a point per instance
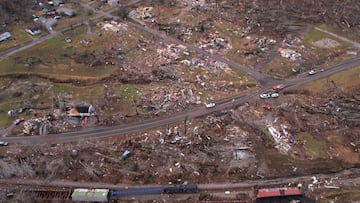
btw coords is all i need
(15, 10)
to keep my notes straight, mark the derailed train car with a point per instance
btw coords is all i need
(104, 195)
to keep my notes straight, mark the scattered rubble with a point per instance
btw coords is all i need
(113, 26)
(142, 13)
(170, 54)
(214, 42)
(291, 41)
(228, 145)
(281, 138)
(344, 109)
(326, 43)
(165, 99)
(290, 54)
(92, 59)
(263, 43)
(38, 126)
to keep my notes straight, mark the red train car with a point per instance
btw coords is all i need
(277, 192)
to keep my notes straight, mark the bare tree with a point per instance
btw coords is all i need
(15, 10)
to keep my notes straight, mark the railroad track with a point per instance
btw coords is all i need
(38, 193)
(50, 194)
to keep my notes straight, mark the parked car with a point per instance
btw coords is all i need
(2, 143)
(269, 95)
(274, 95)
(265, 95)
(312, 72)
(210, 105)
(278, 87)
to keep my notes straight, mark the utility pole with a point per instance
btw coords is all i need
(185, 125)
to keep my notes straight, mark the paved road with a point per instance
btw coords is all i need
(193, 112)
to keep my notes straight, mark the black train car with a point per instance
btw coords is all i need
(188, 188)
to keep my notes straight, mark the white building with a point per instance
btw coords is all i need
(4, 36)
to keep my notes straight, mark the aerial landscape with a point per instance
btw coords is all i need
(180, 101)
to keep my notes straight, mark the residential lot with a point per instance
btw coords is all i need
(102, 71)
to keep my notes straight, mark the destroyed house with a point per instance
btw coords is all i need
(33, 30)
(81, 111)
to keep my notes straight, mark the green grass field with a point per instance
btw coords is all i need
(349, 79)
(19, 36)
(53, 58)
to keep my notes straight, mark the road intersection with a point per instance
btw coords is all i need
(265, 81)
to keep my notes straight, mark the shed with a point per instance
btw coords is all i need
(90, 195)
(4, 36)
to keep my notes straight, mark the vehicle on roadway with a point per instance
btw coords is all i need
(269, 95)
(210, 105)
(279, 87)
(2, 143)
(312, 72)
